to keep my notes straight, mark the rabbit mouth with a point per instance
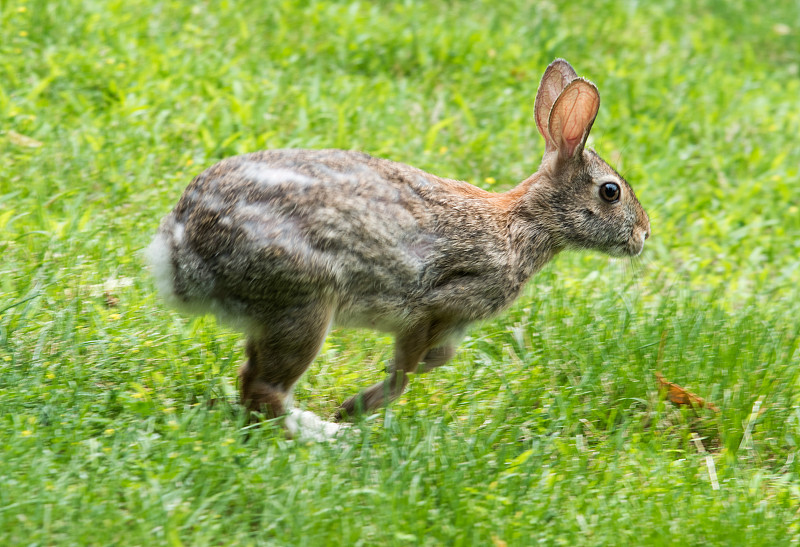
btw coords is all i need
(628, 249)
(634, 247)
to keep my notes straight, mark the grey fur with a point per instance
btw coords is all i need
(285, 242)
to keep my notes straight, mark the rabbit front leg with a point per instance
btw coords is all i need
(442, 352)
(436, 357)
(409, 349)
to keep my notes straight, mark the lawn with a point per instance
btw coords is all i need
(548, 426)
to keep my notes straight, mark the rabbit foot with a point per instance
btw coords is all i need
(305, 425)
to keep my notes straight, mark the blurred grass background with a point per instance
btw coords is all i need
(548, 427)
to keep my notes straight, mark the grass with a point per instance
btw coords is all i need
(548, 427)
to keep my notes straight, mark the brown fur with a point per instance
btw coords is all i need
(286, 242)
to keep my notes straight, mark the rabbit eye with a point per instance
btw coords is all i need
(609, 192)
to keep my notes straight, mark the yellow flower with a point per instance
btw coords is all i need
(489, 180)
(27, 433)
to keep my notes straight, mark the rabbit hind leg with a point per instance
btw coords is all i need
(278, 354)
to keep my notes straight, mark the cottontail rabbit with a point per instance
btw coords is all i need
(285, 243)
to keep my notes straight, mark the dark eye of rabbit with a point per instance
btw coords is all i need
(609, 192)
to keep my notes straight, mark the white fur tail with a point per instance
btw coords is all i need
(159, 256)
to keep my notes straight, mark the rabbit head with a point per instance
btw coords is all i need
(588, 204)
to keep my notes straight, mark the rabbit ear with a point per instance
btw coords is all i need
(572, 117)
(555, 79)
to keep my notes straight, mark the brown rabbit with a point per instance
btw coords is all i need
(286, 243)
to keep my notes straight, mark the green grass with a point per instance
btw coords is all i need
(548, 427)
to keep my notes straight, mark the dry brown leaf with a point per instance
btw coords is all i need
(680, 396)
(498, 542)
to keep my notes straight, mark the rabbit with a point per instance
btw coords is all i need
(284, 244)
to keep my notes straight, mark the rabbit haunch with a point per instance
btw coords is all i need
(285, 243)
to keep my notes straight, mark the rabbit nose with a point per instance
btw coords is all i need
(647, 234)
